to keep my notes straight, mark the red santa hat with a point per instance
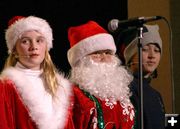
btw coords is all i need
(19, 24)
(86, 39)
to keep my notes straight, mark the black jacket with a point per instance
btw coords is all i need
(154, 111)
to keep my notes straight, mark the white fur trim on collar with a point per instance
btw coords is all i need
(89, 45)
(44, 118)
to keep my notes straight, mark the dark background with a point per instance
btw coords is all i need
(60, 14)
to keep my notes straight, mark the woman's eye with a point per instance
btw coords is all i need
(24, 41)
(40, 40)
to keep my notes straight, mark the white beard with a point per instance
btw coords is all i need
(106, 81)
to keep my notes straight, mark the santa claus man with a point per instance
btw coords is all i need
(101, 83)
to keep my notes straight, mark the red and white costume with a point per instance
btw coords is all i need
(25, 104)
(104, 99)
(85, 113)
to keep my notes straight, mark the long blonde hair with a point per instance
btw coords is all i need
(49, 71)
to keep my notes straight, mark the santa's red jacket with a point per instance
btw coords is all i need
(85, 113)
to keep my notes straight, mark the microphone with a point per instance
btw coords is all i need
(114, 24)
(25, 56)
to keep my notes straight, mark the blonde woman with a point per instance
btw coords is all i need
(33, 94)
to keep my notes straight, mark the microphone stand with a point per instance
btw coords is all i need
(140, 78)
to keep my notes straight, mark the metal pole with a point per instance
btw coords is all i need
(140, 78)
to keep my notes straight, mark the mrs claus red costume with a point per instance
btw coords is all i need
(93, 110)
(24, 102)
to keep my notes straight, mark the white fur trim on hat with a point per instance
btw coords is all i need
(25, 24)
(89, 45)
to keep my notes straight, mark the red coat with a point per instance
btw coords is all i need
(23, 107)
(83, 113)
